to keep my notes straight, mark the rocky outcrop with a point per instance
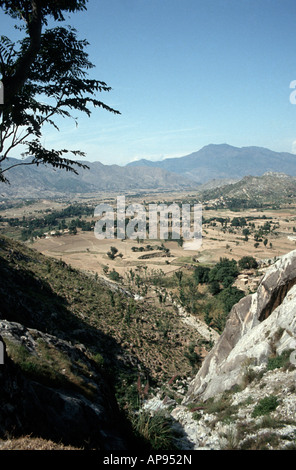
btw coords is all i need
(259, 326)
(51, 389)
(232, 421)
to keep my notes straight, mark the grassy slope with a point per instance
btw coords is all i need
(50, 296)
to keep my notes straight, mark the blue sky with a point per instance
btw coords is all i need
(184, 74)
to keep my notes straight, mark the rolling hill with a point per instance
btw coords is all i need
(42, 181)
(268, 188)
(212, 166)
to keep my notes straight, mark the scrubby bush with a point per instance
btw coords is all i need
(114, 275)
(225, 272)
(230, 296)
(201, 274)
(248, 262)
(112, 253)
(265, 405)
(279, 361)
(156, 430)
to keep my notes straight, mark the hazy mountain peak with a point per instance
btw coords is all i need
(224, 161)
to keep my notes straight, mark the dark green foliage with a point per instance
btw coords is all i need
(155, 430)
(246, 232)
(114, 275)
(57, 220)
(179, 276)
(279, 361)
(248, 262)
(207, 315)
(219, 284)
(214, 287)
(238, 222)
(112, 253)
(225, 272)
(201, 274)
(192, 356)
(51, 8)
(230, 296)
(265, 406)
(216, 310)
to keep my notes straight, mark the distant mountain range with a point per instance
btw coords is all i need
(216, 162)
(211, 167)
(44, 181)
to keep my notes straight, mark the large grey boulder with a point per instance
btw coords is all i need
(259, 325)
(32, 404)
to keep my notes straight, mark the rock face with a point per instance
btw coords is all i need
(34, 402)
(259, 326)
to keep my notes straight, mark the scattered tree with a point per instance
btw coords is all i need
(112, 253)
(225, 272)
(214, 287)
(179, 276)
(201, 274)
(248, 262)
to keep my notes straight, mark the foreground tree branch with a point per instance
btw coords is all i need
(51, 63)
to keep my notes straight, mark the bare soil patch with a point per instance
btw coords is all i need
(85, 251)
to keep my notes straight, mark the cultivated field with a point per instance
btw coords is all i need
(85, 251)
